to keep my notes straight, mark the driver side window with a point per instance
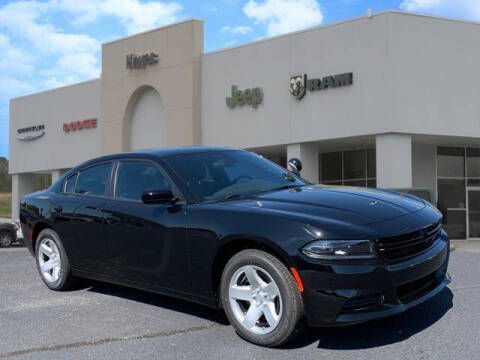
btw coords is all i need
(135, 177)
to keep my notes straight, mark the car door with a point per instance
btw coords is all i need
(80, 217)
(147, 242)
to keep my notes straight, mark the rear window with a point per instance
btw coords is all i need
(94, 180)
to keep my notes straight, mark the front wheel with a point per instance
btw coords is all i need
(261, 298)
(6, 238)
(52, 261)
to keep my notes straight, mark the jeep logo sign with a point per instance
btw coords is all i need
(252, 97)
(141, 61)
(299, 83)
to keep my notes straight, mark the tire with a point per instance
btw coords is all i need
(6, 238)
(59, 277)
(281, 302)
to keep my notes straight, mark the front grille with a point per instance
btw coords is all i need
(407, 245)
(415, 289)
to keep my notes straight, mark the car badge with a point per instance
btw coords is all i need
(374, 202)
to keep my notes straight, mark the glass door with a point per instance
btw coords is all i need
(473, 196)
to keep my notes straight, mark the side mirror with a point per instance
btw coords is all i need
(158, 196)
(294, 165)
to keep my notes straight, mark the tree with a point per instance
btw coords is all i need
(5, 178)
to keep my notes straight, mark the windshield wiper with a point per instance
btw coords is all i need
(231, 196)
(285, 187)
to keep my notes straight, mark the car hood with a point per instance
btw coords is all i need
(356, 206)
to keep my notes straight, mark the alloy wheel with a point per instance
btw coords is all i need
(49, 260)
(255, 299)
(5, 239)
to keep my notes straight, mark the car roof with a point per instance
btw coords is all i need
(151, 153)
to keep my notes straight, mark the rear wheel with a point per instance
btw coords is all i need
(261, 298)
(6, 238)
(52, 261)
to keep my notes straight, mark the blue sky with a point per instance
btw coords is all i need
(50, 43)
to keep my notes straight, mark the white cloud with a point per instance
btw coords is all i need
(469, 9)
(242, 30)
(25, 19)
(11, 87)
(14, 60)
(134, 15)
(230, 43)
(282, 16)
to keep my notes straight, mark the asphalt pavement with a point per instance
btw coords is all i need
(102, 321)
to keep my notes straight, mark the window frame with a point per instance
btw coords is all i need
(175, 190)
(77, 173)
(64, 186)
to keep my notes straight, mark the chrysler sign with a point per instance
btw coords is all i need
(31, 133)
(299, 84)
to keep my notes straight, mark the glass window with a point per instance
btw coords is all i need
(361, 183)
(371, 163)
(222, 174)
(455, 224)
(70, 185)
(354, 164)
(372, 183)
(473, 162)
(332, 183)
(451, 162)
(135, 177)
(451, 193)
(94, 180)
(331, 166)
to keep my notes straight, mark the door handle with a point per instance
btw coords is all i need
(57, 208)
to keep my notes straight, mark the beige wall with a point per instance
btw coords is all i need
(176, 78)
(411, 74)
(56, 149)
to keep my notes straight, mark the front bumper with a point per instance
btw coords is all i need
(344, 293)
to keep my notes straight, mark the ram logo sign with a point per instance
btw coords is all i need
(299, 84)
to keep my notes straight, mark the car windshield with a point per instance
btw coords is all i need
(220, 175)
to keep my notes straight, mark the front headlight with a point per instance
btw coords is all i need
(340, 249)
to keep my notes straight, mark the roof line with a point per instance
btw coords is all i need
(152, 30)
(341, 22)
(54, 89)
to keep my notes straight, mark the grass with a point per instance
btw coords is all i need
(5, 205)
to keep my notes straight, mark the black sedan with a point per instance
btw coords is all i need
(229, 229)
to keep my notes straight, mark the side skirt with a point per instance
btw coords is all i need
(211, 302)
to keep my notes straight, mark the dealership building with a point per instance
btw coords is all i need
(390, 100)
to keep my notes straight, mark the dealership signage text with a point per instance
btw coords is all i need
(31, 132)
(141, 61)
(299, 83)
(252, 97)
(79, 125)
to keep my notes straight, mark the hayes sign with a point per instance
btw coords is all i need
(299, 83)
(141, 61)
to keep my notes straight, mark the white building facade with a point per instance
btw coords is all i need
(388, 101)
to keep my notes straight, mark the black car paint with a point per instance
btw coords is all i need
(173, 249)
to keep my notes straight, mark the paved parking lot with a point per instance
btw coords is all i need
(110, 322)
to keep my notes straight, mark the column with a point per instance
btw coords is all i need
(22, 184)
(394, 161)
(308, 154)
